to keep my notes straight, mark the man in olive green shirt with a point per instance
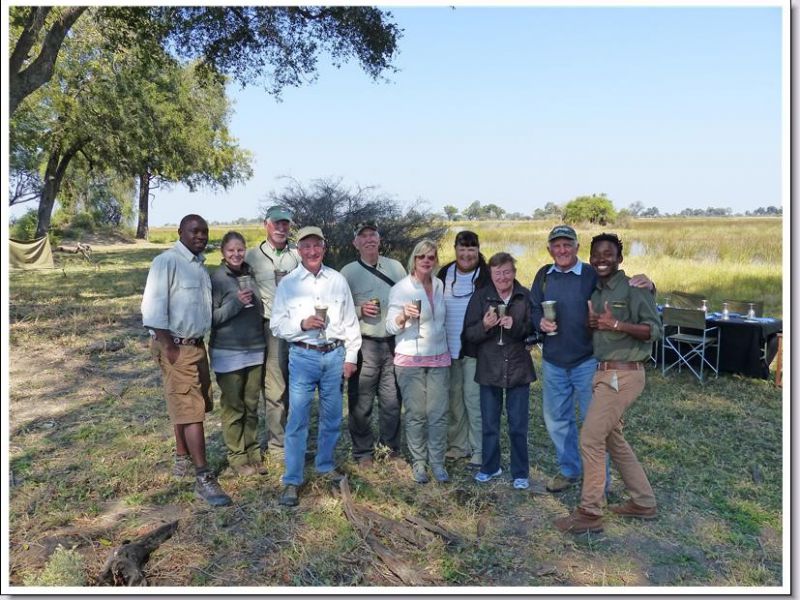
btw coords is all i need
(271, 261)
(370, 278)
(625, 324)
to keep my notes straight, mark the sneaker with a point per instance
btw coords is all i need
(182, 467)
(440, 474)
(482, 477)
(560, 482)
(418, 473)
(207, 488)
(631, 509)
(579, 522)
(521, 483)
(289, 496)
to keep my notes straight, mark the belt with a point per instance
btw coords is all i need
(324, 348)
(187, 341)
(616, 365)
(388, 338)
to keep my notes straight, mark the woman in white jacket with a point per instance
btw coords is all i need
(421, 360)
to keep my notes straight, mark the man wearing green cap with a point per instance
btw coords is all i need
(271, 261)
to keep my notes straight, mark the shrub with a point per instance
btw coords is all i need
(65, 568)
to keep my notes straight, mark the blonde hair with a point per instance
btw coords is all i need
(423, 247)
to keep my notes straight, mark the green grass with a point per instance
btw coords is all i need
(90, 450)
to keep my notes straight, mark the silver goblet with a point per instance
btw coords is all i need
(549, 308)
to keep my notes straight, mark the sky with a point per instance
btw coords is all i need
(674, 107)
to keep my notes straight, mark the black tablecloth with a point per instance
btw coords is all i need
(741, 345)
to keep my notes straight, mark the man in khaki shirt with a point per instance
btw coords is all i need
(370, 278)
(274, 258)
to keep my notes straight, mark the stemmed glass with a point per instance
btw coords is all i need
(321, 310)
(751, 312)
(501, 312)
(417, 302)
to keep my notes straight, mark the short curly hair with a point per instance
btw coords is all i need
(607, 237)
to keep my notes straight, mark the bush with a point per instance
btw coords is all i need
(24, 228)
(593, 209)
(65, 568)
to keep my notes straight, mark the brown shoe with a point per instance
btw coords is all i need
(631, 509)
(579, 522)
(560, 482)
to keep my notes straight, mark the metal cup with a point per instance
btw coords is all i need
(417, 302)
(549, 309)
(321, 310)
(376, 302)
(501, 310)
(245, 283)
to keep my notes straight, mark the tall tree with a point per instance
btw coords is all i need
(278, 45)
(590, 209)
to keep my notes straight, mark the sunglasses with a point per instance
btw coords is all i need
(430, 257)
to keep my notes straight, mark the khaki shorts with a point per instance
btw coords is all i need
(187, 383)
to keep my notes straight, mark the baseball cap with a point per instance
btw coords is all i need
(365, 225)
(310, 230)
(279, 213)
(562, 231)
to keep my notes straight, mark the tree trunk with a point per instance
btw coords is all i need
(53, 176)
(143, 229)
(23, 82)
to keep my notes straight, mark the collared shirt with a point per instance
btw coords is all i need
(365, 285)
(576, 268)
(629, 304)
(265, 260)
(298, 294)
(177, 295)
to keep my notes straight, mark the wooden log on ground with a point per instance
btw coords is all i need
(124, 565)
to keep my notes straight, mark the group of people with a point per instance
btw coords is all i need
(442, 348)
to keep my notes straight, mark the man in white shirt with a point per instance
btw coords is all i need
(176, 307)
(271, 260)
(313, 311)
(370, 278)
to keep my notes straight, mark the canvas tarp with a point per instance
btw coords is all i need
(30, 255)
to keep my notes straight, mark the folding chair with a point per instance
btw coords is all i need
(684, 300)
(690, 341)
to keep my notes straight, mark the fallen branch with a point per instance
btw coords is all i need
(124, 566)
(450, 538)
(84, 249)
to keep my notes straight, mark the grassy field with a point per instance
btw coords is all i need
(90, 456)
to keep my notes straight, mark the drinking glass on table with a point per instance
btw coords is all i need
(246, 283)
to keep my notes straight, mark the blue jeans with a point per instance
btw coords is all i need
(310, 370)
(562, 390)
(517, 403)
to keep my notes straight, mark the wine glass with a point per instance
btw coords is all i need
(726, 313)
(549, 310)
(501, 312)
(245, 283)
(417, 302)
(751, 312)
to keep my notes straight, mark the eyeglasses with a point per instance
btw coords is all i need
(430, 257)
(471, 284)
(504, 273)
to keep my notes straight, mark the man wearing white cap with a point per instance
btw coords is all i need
(270, 261)
(313, 311)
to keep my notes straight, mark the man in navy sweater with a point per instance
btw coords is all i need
(568, 365)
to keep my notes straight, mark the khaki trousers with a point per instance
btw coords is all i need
(424, 391)
(612, 393)
(276, 395)
(464, 435)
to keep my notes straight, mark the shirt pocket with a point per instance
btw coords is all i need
(620, 309)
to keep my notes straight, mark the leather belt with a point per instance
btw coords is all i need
(187, 341)
(616, 365)
(388, 338)
(324, 348)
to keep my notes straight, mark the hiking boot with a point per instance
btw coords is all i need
(560, 482)
(440, 473)
(579, 522)
(418, 473)
(365, 462)
(182, 467)
(482, 477)
(207, 488)
(521, 483)
(244, 470)
(631, 509)
(259, 466)
(333, 477)
(289, 496)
